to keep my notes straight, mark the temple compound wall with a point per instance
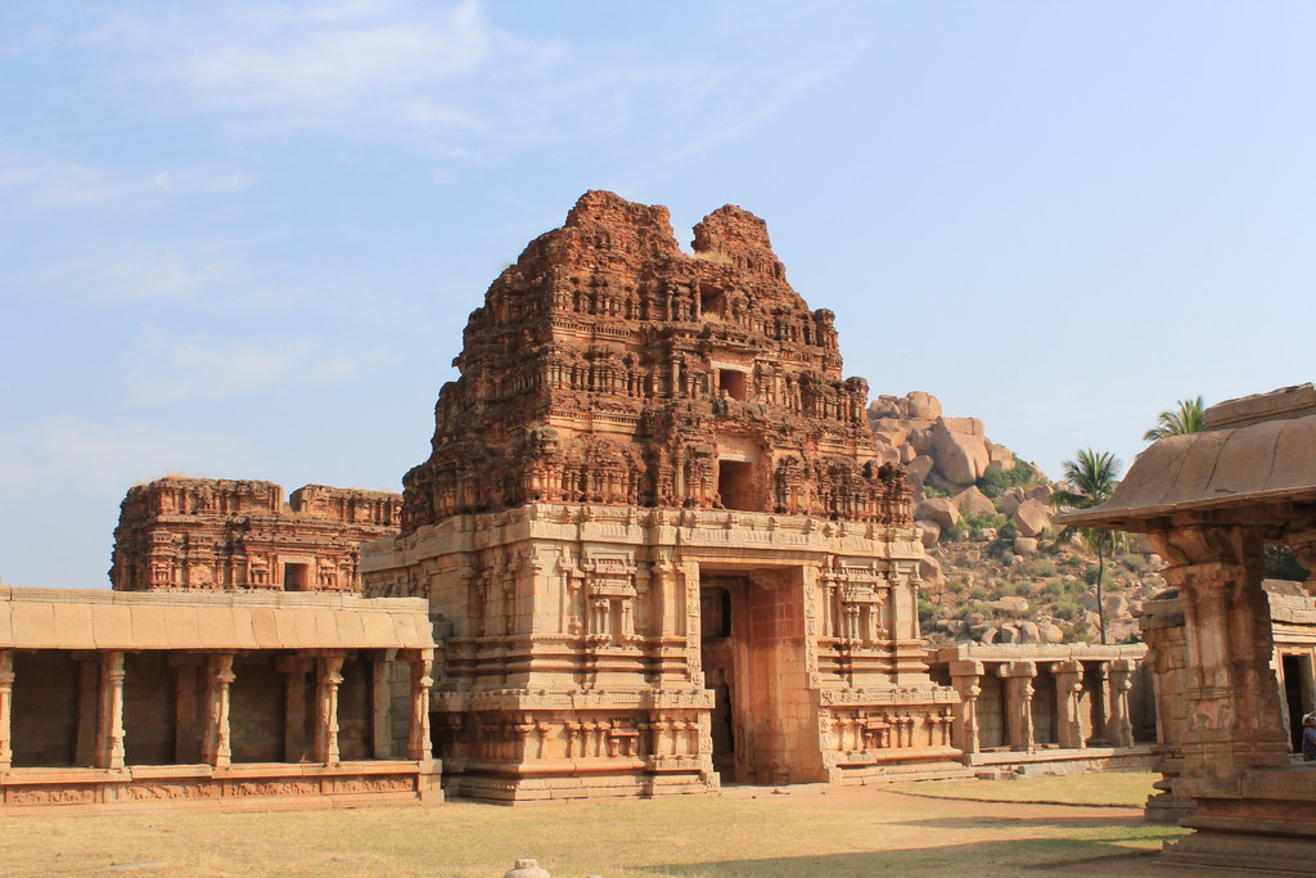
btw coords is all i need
(1210, 503)
(1039, 705)
(220, 701)
(228, 534)
(656, 533)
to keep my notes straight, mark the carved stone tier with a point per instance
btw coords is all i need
(606, 650)
(608, 367)
(178, 534)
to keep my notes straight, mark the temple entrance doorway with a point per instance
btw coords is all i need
(752, 643)
(1297, 674)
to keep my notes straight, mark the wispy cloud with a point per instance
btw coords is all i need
(141, 274)
(295, 65)
(163, 370)
(736, 123)
(47, 180)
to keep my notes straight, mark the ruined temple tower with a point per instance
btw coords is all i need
(655, 532)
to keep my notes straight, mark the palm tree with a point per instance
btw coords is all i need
(1092, 479)
(1186, 418)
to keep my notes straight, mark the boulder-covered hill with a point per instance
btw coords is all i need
(996, 571)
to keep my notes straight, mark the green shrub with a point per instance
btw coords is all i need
(1067, 608)
(927, 612)
(1039, 568)
(1281, 564)
(1135, 562)
(976, 522)
(996, 481)
(930, 491)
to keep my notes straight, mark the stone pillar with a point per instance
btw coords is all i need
(381, 724)
(418, 740)
(665, 597)
(1119, 720)
(326, 707)
(1162, 624)
(964, 676)
(109, 716)
(216, 742)
(6, 708)
(1233, 714)
(295, 668)
(1069, 686)
(1018, 678)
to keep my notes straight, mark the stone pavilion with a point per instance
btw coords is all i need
(1210, 502)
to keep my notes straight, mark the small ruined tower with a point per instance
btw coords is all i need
(656, 530)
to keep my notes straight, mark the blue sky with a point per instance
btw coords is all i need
(242, 239)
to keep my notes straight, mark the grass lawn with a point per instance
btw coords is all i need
(805, 832)
(1126, 788)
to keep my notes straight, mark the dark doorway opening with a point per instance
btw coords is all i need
(719, 672)
(296, 577)
(735, 483)
(1045, 731)
(991, 714)
(752, 644)
(1297, 668)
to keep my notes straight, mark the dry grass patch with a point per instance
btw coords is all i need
(849, 832)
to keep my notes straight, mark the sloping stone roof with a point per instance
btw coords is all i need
(1267, 462)
(48, 618)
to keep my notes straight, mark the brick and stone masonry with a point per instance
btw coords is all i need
(231, 535)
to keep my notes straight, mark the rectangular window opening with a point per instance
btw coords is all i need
(734, 382)
(710, 301)
(735, 483)
(296, 577)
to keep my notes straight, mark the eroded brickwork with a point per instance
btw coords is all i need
(607, 366)
(225, 535)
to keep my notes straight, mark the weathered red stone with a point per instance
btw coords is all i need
(226, 534)
(607, 366)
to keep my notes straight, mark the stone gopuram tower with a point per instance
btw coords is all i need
(655, 532)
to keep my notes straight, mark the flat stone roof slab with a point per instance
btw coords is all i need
(49, 618)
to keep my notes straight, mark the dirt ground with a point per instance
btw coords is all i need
(758, 832)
